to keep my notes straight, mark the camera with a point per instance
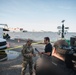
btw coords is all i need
(71, 54)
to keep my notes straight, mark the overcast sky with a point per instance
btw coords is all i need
(38, 14)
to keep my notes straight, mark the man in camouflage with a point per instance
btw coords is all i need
(27, 53)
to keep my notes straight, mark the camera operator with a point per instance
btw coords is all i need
(54, 65)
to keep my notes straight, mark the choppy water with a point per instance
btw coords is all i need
(38, 35)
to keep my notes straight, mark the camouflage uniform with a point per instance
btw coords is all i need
(27, 59)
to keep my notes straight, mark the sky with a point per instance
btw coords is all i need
(38, 14)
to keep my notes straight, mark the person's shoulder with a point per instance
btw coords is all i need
(24, 45)
(50, 44)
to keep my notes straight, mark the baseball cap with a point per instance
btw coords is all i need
(62, 46)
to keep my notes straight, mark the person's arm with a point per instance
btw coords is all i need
(33, 52)
(49, 50)
(48, 53)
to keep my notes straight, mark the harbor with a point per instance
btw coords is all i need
(47, 25)
(11, 57)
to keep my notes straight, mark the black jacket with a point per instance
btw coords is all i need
(48, 48)
(52, 66)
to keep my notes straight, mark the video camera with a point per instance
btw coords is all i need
(70, 59)
(71, 54)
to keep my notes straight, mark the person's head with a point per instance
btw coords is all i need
(46, 40)
(29, 42)
(60, 48)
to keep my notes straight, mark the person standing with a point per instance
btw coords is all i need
(48, 47)
(54, 65)
(4, 35)
(27, 53)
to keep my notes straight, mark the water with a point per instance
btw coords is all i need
(9, 55)
(12, 54)
(38, 35)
